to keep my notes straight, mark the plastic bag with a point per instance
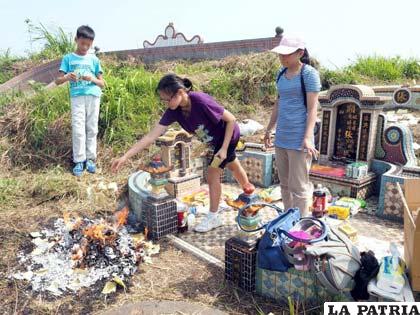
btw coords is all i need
(248, 127)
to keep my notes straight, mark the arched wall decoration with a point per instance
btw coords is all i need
(172, 38)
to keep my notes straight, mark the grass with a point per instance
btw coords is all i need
(129, 104)
(394, 69)
(51, 106)
(55, 42)
(374, 70)
(50, 184)
(7, 62)
(231, 79)
(9, 190)
(10, 97)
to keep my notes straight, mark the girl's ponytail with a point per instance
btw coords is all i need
(187, 84)
(305, 58)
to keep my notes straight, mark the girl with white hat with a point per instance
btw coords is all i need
(295, 115)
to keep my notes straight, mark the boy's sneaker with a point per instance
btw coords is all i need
(209, 223)
(78, 169)
(90, 166)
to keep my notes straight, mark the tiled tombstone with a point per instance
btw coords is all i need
(257, 163)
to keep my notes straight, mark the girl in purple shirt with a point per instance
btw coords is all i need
(197, 113)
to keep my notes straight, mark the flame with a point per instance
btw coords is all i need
(121, 216)
(102, 232)
(66, 217)
(77, 221)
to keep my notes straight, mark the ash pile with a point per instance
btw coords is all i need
(79, 252)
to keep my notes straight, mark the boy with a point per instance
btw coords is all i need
(83, 71)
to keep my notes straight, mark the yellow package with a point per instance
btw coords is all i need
(216, 162)
(350, 231)
(341, 212)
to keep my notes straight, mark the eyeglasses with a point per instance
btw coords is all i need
(167, 100)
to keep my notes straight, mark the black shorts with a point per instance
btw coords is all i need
(230, 155)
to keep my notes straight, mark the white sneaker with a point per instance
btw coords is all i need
(208, 224)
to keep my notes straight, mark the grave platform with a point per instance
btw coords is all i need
(334, 177)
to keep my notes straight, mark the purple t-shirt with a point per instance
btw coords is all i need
(205, 119)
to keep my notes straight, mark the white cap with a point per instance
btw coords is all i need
(289, 45)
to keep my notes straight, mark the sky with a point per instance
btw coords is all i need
(336, 32)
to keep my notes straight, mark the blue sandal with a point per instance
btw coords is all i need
(78, 169)
(91, 166)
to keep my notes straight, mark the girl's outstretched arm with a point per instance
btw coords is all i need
(140, 145)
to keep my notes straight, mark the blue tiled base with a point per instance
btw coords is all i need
(258, 167)
(298, 285)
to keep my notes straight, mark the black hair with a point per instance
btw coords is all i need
(309, 60)
(305, 58)
(171, 83)
(85, 31)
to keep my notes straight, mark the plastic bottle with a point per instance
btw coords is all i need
(390, 276)
(191, 220)
(319, 204)
(182, 212)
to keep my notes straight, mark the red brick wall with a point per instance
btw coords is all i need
(201, 51)
(46, 73)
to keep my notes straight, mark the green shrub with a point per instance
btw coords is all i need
(387, 70)
(55, 42)
(7, 60)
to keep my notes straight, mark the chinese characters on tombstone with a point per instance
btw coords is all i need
(347, 131)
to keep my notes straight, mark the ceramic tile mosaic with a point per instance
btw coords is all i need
(179, 187)
(160, 218)
(299, 285)
(390, 204)
(394, 143)
(393, 203)
(240, 264)
(258, 167)
(379, 150)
